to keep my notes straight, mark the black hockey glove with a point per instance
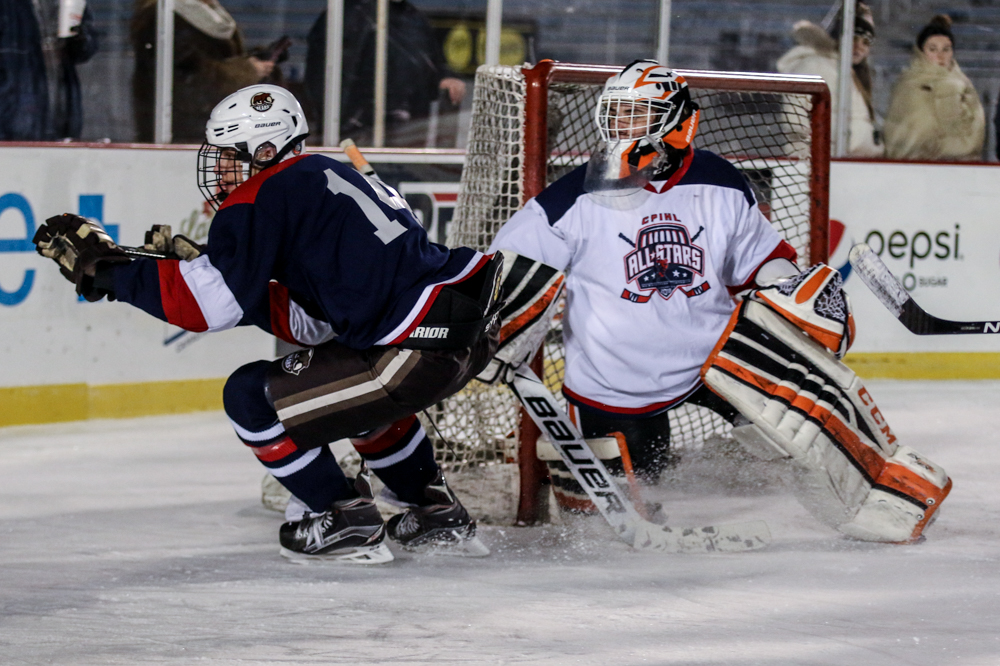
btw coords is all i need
(78, 246)
(159, 239)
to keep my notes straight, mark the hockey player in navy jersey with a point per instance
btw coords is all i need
(325, 258)
(656, 240)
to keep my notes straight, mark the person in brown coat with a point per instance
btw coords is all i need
(210, 63)
(935, 112)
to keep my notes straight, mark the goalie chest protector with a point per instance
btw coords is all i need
(648, 276)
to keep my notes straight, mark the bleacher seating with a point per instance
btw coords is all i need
(739, 35)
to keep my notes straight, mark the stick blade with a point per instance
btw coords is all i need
(732, 538)
(878, 278)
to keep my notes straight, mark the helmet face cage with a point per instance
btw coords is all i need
(643, 105)
(646, 119)
(220, 170)
(630, 118)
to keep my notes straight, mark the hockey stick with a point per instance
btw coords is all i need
(135, 252)
(357, 159)
(895, 298)
(139, 252)
(605, 493)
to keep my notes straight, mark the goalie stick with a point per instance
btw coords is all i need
(605, 493)
(876, 275)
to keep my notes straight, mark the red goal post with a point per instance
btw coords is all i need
(530, 126)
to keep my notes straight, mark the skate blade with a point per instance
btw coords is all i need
(454, 547)
(377, 554)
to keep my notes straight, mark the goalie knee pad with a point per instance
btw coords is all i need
(531, 291)
(809, 408)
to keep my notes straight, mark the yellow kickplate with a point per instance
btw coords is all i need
(925, 365)
(75, 402)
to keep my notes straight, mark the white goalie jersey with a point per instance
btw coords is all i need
(649, 276)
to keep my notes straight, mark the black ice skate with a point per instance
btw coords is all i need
(442, 527)
(351, 531)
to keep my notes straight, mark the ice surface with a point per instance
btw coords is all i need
(144, 541)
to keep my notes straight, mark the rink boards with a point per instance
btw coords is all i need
(65, 359)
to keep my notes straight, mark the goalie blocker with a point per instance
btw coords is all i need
(808, 408)
(531, 293)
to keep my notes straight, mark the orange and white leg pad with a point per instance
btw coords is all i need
(808, 408)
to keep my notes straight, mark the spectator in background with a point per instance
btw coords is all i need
(416, 73)
(818, 53)
(210, 63)
(935, 113)
(38, 80)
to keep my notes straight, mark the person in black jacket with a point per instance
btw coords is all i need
(417, 73)
(38, 80)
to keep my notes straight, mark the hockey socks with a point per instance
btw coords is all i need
(403, 458)
(312, 475)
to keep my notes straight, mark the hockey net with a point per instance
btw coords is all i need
(531, 126)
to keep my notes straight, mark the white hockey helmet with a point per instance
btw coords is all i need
(644, 114)
(249, 131)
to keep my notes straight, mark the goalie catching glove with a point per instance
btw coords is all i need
(815, 301)
(812, 410)
(78, 245)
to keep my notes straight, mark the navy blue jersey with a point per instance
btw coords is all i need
(308, 250)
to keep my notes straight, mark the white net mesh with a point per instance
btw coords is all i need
(766, 135)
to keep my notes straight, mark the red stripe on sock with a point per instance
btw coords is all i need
(389, 438)
(276, 451)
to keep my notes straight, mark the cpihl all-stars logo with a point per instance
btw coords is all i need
(664, 260)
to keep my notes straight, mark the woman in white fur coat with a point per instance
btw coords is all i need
(818, 53)
(935, 112)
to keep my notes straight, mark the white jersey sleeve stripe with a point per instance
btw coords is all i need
(215, 300)
(308, 330)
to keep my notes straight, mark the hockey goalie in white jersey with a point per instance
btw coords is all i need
(659, 243)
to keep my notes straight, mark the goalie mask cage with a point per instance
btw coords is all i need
(529, 127)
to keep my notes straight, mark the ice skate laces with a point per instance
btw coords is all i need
(317, 527)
